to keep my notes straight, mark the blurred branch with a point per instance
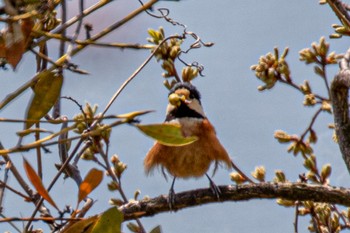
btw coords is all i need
(289, 191)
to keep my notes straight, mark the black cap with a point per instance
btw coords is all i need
(194, 93)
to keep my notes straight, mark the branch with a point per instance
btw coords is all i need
(340, 9)
(339, 95)
(289, 191)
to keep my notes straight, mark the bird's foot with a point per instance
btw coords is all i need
(214, 188)
(171, 199)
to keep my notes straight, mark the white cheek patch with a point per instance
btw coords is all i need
(195, 105)
(170, 108)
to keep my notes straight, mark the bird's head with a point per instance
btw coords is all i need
(184, 101)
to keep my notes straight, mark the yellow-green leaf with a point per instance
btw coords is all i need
(46, 93)
(167, 134)
(37, 183)
(83, 226)
(91, 181)
(157, 229)
(132, 115)
(109, 222)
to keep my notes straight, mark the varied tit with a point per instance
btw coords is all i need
(191, 160)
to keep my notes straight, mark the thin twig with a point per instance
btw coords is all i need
(79, 48)
(313, 120)
(73, 20)
(296, 217)
(16, 174)
(11, 223)
(58, 174)
(118, 180)
(234, 166)
(16, 219)
(77, 30)
(4, 185)
(128, 80)
(38, 153)
(2, 189)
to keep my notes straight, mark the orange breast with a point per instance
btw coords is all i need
(191, 160)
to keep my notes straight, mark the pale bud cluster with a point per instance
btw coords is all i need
(272, 68)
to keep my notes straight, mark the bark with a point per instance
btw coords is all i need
(339, 95)
(289, 191)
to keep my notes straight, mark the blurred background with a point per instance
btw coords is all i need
(245, 119)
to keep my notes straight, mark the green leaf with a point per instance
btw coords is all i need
(109, 222)
(131, 115)
(157, 229)
(46, 93)
(167, 134)
(83, 226)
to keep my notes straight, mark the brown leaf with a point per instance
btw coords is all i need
(91, 181)
(46, 92)
(26, 26)
(37, 183)
(2, 47)
(14, 44)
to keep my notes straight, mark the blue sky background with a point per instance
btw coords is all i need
(245, 119)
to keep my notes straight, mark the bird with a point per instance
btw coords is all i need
(191, 160)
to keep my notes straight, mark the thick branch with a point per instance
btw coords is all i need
(339, 95)
(340, 9)
(290, 191)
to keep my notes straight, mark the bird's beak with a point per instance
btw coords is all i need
(176, 99)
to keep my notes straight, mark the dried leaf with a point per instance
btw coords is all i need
(167, 134)
(46, 93)
(14, 43)
(14, 54)
(109, 222)
(91, 181)
(37, 183)
(2, 47)
(26, 26)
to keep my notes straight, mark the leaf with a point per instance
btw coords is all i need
(2, 47)
(26, 26)
(14, 43)
(83, 226)
(37, 183)
(109, 222)
(131, 115)
(91, 181)
(46, 93)
(157, 229)
(166, 134)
